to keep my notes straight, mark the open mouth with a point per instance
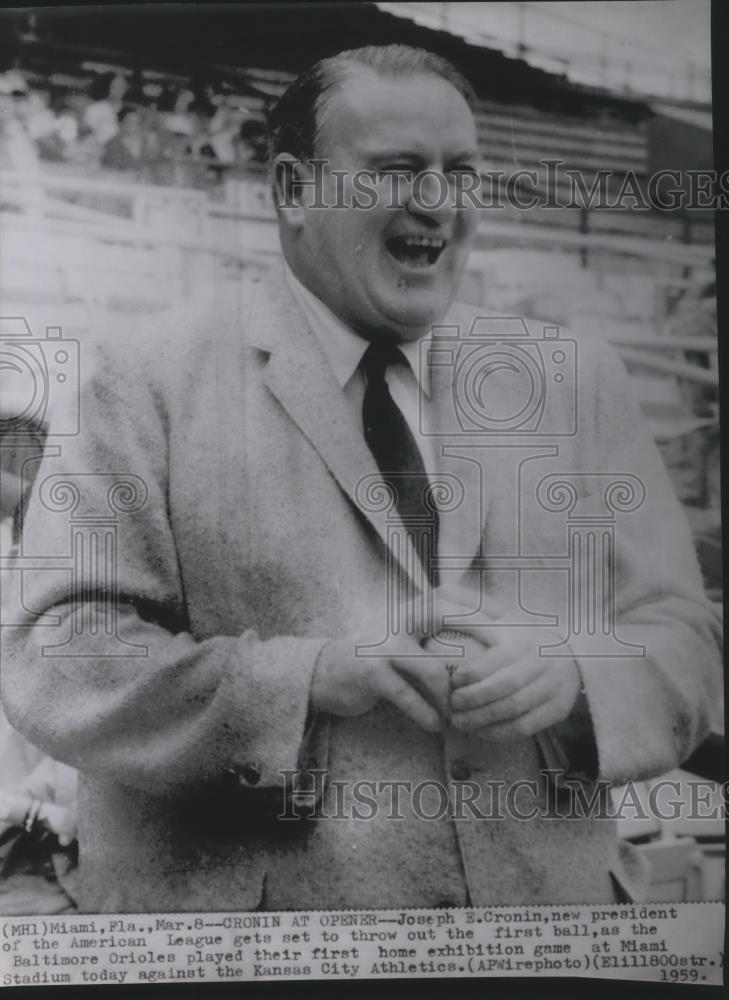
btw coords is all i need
(415, 251)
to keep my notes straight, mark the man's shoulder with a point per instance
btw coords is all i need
(158, 346)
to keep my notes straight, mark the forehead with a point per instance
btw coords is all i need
(369, 112)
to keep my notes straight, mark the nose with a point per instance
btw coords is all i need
(431, 196)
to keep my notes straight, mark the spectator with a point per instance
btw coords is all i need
(40, 120)
(174, 106)
(133, 149)
(223, 129)
(18, 149)
(201, 146)
(61, 143)
(18, 153)
(202, 114)
(101, 116)
(253, 144)
(175, 127)
(12, 81)
(186, 136)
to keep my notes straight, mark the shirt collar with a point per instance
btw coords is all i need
(343, 347)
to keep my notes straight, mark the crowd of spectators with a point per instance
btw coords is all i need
(157, 134)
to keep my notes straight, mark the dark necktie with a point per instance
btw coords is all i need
(396, 452)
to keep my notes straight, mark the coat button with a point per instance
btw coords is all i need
(460, 770)
(250, 774)
(231, 778)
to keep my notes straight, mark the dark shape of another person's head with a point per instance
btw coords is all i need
(168, 99)
(99, 89)
(201, 109)
(108, 87)
(20, 104)
(254, 134)
(368, 148)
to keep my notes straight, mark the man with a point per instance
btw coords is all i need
(259, 699)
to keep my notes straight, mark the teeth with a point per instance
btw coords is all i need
(423, 241)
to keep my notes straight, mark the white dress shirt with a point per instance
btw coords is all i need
(409, 384)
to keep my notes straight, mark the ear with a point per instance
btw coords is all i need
(293, 181)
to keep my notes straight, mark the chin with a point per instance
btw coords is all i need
(413, 328)
(419, 317)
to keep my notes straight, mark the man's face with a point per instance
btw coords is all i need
(391, 269)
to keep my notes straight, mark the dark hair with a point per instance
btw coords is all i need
(101, 87)
(125, 111)
(295, 122)
(199, 106)
(167, 99)
(253, 128)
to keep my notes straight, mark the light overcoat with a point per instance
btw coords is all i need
(249, 535)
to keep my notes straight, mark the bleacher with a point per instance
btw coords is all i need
(610, 269)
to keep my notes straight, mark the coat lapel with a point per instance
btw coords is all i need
(300, 377)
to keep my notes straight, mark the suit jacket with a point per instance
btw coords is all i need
(245, 538)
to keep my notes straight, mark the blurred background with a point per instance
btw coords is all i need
(133, 178)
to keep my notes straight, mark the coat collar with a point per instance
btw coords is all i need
(300, 377)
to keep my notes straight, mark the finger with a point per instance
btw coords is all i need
(449, 612)
(487, 634)
(398, 692)
(536, 721)
(454, 646)
(470, 662)
(479, 664)
(503, 682)
(450, 627)
(429, 676)
(506, 709)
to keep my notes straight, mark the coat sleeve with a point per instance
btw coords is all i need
(648, 711)
(101, 670)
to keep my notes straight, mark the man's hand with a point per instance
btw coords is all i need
(14, 810)
(346, 684)
(505, 690)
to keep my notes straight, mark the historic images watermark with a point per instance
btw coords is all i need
(550, 184)
(35, 370)
(41, 381)
(539, 409)
(555, 795)
(514, 397)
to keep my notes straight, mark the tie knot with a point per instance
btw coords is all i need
(379, 356)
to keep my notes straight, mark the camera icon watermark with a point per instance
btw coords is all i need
(503, 379)
(39, 377)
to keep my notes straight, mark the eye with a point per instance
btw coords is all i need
(462, 169)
